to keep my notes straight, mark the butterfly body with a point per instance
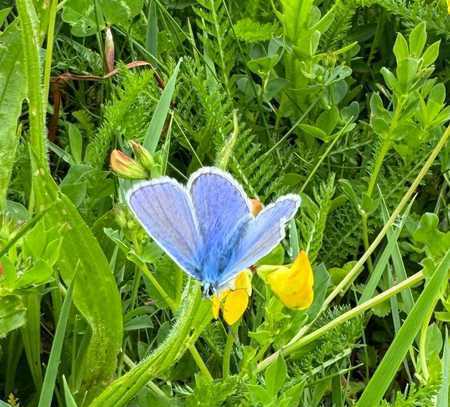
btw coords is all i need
(207, 227)
(217, 254)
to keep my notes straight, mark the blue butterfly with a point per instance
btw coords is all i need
(207, 227)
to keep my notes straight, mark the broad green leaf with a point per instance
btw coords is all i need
(406, 73)
(70, 401)
(321, 283)
(275, 376)
(12, 313)
(431, 53)
(81, 14)
(314, 132)
(417, 40)
(95, 293)
(12, 92)
(4, 13)
(76, 143)
(151, 38)
(401, 49)
(436, 243)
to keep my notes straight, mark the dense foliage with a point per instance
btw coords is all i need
(341, 101)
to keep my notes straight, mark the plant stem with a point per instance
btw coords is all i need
(365, 236)
(228, 348)
(173, 306)
(423, 346)
(191, 312)
(150, 277)
(200, 362)
(358, 310)
(324, 155)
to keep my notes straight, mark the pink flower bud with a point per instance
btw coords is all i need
(109, 50)
(126, 167)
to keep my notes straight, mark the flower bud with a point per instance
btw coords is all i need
(109, 50)
(126, 167)
(143, 156)
(255, 206)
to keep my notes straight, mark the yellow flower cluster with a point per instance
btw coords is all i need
(292, 285)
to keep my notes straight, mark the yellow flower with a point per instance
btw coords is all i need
(294, 285)
(233, 300)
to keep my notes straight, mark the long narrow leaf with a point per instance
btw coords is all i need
(388, 367)
(48, 387)
(442, 398)
(375, 277)
(154, 130)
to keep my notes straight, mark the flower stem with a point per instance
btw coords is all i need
(192, 311)
(423, 346)
(228, 348)
(173, 306)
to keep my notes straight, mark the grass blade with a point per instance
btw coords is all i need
(154, 130)
(48, 387)
(388, 252)
(388, 367)
(442, 397)
(70, 401)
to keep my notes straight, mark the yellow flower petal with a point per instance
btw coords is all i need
(234, 300)
(234, 306)
(294, 286)
(217, 300)
(215, 306)
(244, 281)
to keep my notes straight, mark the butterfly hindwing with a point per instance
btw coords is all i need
(165, 210)
(262, 235)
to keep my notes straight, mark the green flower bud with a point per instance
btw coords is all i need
(143, 156)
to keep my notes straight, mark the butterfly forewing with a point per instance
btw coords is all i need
(219, 202)
(164, 208)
